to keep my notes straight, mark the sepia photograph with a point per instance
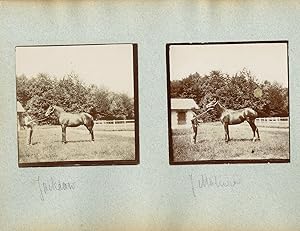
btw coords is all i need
(77, 105)
(228, 102)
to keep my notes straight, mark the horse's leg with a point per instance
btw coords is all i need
(254, 129)
(64, 131)
(91, 131)
(226, 132)
(258, 138)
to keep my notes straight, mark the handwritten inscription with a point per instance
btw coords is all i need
(52, 185)
(205, 181)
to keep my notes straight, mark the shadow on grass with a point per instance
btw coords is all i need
(201, 141)
(74, 141)
(223, 141)
(244, 139)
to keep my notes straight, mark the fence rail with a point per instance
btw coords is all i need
(281, 122)
(115, 125)
(272, 119)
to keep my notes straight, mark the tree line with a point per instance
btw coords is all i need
(235, 92)
(70, 93)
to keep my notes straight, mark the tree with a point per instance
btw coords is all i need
(40, 91)
(98, 102)
(234, 92)
(23, 93)
(121, 107)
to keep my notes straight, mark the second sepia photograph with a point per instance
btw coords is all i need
(228, 102)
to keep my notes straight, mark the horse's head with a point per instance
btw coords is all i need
(211, 105)
(50, 110)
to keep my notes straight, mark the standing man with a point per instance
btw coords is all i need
(29, 123)
(195, 122)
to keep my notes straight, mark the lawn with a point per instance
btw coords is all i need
(47, 145)
(210, 144)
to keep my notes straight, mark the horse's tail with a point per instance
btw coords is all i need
(255, 114)
(251, 113)
(259, 112)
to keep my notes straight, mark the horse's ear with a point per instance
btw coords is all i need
(50, 107)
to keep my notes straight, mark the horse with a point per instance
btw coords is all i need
(67, 119)
(231, 117)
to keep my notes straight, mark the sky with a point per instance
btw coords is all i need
(267, 61)
(109, 66)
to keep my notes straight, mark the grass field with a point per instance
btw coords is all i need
(210, 144)
(47, 145)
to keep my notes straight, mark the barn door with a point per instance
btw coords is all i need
(181, 118)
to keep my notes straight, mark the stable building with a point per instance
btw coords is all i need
(181, 112)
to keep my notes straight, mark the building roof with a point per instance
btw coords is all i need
(20, 107)
(183, 104)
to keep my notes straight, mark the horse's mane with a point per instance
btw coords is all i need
(60, 109)
(221, 105)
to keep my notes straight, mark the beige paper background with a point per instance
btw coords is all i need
(152, 195)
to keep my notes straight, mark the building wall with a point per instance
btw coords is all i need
(174, 121)
(19, 121)
(189, 117)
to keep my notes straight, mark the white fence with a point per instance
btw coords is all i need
(273, 122)
(115, 125)
(272, 119)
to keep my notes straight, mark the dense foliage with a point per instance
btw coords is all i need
(234, 92)
(37, 93)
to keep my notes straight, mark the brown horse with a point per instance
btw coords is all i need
(67, 119)
(230, 117)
